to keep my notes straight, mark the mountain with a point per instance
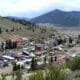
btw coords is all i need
(59, 18)
(19, 18)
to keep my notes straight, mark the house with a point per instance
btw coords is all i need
(8, 57)
(58, 48)
(39, 47)
(27, 53)
(25, 61)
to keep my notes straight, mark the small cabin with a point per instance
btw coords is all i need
(39, 47)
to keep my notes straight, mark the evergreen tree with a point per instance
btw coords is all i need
(70, 40)
(45, 60)
(51, 60)
(10, 44)
(0, 31)
(33, 64)
(14, 44)
(7, 46)
(16, 67)
(6, 30)
(2, 47)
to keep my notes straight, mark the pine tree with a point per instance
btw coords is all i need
(45, 60)
(0, 31)
(10, 44)
(33, 64)
(51, 60)
(6, 30)
(2, 47)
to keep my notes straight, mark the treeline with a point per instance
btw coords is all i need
(31, 26)
(8, 44)
(21, 21)
(9, 30)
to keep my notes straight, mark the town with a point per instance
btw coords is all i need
(39, 40)
(23, 51)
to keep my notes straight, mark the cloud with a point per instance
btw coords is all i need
(32, 8)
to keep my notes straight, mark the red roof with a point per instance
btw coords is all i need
(60, 59)
(19, 40)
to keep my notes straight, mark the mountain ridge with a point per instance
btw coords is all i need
(59, 17)
(18, 18)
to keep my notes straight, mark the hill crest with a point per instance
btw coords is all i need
(59, 17)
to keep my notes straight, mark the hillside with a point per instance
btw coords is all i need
(59, 18)
(13, 28)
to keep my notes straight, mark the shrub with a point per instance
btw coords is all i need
(74, 64)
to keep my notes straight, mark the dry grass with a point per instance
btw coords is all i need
(25, 32)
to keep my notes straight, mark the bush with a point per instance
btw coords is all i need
(16, 67)
(52, 73)
(37, 76)
(74, 64)
(18, 75)
(55, 74)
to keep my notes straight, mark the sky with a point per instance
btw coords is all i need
(33, 8)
